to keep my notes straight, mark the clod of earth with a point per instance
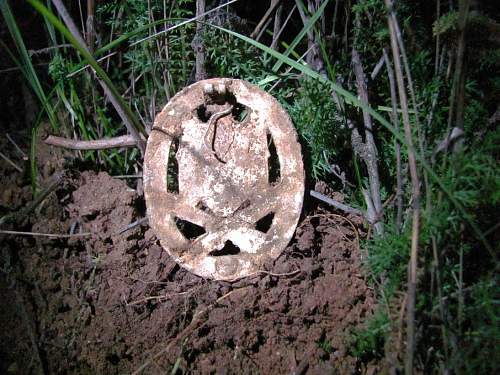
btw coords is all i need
(223, 178)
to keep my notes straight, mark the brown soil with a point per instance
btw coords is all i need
(114, 303)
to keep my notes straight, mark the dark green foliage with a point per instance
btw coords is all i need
(472, 300)
(447, 23)
(228, 56)
(478, 352)
(367, 342)
(325, 345)
(475, 113)
(388, 258)
(144, 59)
(319, 125)
(370, 32)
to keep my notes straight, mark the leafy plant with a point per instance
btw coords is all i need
(367, 343)
(319, 124)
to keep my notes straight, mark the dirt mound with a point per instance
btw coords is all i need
(114, 302)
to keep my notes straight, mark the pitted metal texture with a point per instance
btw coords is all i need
(223, 178)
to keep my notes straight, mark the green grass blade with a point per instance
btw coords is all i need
(118, 41)
(310, 23)
(321, 43)
(34, 128)
(50, 29)
(14, 59)
(123, 38)
(25, 63)
(87, 56)
(350, 98)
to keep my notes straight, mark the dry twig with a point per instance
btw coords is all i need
(99, 144)
(11, 162)
(313, 58)
(180, 24)
(336, 204)
(262, 272)
(156, 298)
(198, 46)
(277, 26)
(412, 162)
(133, 225)
(276, 35)
(367, 150)
(395, 123)
(260, 25)
(50, 235)
(23, 154)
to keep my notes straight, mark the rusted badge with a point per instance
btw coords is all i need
(223, 178)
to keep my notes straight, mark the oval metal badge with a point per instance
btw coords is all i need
(223, 178)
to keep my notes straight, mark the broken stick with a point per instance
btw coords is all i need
(99, 144)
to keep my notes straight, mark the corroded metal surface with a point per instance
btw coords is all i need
(225, 130)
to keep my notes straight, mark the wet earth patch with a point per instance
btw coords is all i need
(114, 302)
